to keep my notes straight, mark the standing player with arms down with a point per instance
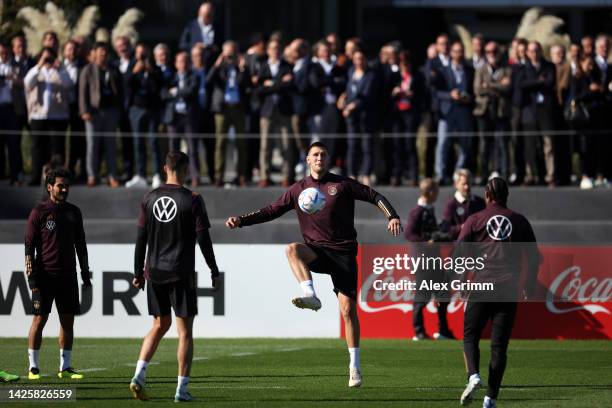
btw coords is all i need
(325, 206)
(500, 229)
(54, 231)
(172, 218)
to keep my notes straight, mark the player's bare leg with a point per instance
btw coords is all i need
(66, 334)
(299, 256)
(348, 310)
(184, 355)
(66, 338)
(161, 324)
(34, 343)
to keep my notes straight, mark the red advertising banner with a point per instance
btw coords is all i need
(574, 299)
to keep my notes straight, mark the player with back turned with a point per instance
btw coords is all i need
(325, 207)
(508, 239)
(172, 219)
(54, 231)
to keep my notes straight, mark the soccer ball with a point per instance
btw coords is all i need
(311, 200)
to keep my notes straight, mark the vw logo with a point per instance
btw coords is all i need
(499, 228)
(164, 209)
(50, 225)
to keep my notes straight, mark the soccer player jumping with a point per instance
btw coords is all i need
(172, 218)
(53, 232)
(325, 207)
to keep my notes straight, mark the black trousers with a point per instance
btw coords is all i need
(501, 315)
(78, 146)
(48, 141)
(404, 153)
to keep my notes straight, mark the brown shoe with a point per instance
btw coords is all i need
(242, 182)
(219, 183)
(91, 182)
(285, 183)
(264, 183)
(113, 183)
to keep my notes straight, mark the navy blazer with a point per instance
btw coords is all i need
(275, 98)
(192, 34)
(365, 96)
(446, 83)
(188, 92)
(533, 82)
(301, 89)
(319, 81)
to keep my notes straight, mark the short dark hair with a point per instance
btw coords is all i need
(100, 44)
(177, 161)
(316, 144)
(497, 188)
(55, 173)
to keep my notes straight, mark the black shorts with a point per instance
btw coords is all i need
(341, 266)
(64, 290)
(180, 296)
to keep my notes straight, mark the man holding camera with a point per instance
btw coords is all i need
(454, 91)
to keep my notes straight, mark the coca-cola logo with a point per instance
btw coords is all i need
(568, 286)
(402, 299)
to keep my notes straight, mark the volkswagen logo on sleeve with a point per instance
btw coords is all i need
(50, 225)
(164, 209)
(499, 228)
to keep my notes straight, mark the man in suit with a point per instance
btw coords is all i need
(492, 89)
(205, 121)
(100, 99)
(562, 142)
(203, 30)
(229, 80)
(537, 84)
(179, 97)
(455, 96)
(125, 63)
(301, 93)
(433, 65)
(274, 83)
(517, 63)
(73, 65)
(327, 80)
(20, 65)
(602, 114)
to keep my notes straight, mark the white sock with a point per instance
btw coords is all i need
(33, 357)
(355, 357)
(141, 370)
(181, 387)
(308, 288)
(65, 359)
(487, 399)
(474, 376)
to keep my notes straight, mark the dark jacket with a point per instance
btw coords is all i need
(321, 83)
(275, 98)
(21, 68)
(217, 79)
(446, 82)
(188, 93)
(418, 88)
(192, 34)
(144, 88)
(364, 93)
(302, 90)
(124, 79)
(533, 83)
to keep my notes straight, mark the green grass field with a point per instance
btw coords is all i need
(313, 372)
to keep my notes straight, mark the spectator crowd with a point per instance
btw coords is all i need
(506, 111)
